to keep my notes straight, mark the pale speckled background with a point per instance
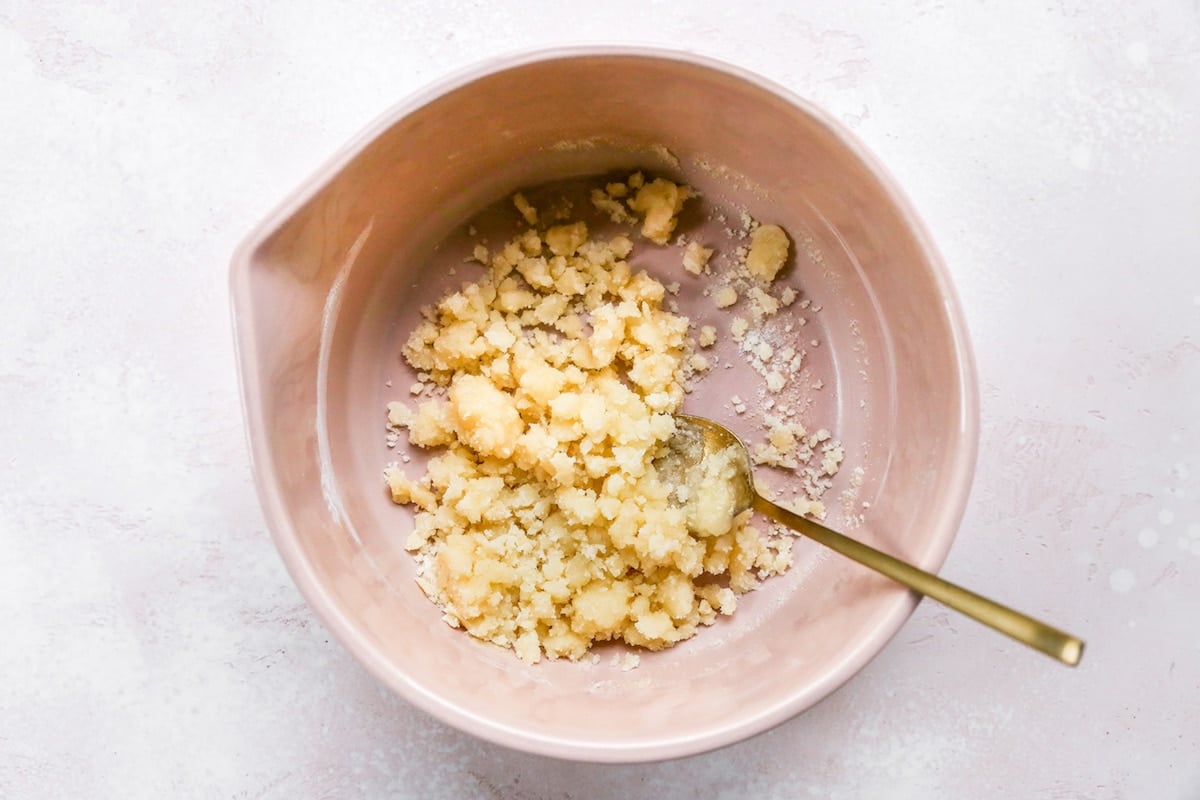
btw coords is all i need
(151, 643)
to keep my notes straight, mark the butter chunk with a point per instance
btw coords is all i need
(659, 202)
(565, 240)
(485, 418)
(768, 252)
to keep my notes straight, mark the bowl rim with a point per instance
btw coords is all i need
(958, 480)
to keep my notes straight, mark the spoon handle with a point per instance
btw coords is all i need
(1027, 630)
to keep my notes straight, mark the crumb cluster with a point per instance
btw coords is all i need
(549, 385)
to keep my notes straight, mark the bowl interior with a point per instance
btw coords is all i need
(328, 288)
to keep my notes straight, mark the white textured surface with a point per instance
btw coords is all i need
(151, 644)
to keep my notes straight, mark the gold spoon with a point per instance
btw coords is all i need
(697, 439)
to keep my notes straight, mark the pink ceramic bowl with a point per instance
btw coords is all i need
(325, 288)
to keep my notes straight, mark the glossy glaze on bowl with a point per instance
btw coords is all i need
(325, 289)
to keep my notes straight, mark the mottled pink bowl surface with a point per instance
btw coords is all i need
(327, 286)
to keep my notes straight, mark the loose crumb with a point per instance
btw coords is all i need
(527, 211)
(695, 258)
(615, 209)
(725, 297)
(762, 304)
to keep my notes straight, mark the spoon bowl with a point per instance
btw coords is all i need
(698, 441)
